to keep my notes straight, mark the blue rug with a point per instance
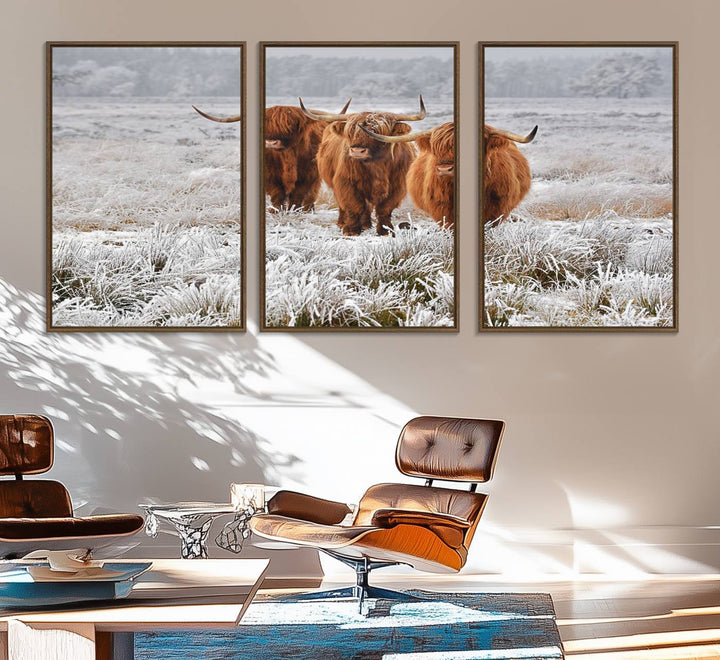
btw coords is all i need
(445, 626)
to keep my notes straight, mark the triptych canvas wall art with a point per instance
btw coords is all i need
(359, 221)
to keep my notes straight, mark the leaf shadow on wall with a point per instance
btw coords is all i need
(134, 420)
(127, 428)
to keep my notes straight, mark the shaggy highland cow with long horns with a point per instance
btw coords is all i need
(431, 177)
(365, 175)
(506, 175)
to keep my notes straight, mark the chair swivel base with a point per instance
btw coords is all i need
(361, 590)
(352, 593)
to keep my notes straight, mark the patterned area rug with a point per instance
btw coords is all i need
(436, 626)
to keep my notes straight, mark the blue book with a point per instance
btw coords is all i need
(35, 585)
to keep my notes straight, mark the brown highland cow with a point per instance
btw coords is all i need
(431, 178)
(291, 145)
(365, 175)
(506, 176)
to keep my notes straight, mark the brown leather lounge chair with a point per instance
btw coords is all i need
(427, 527)
(37, 514)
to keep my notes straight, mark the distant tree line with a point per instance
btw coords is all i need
(186, 72)
(621, 75)
(300, 75)
(181, 72)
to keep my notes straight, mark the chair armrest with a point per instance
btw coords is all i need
(306, 507)
(451, 529)
(392, 517)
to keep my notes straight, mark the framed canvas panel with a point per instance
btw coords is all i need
(578, 181)
(360, 227)
(145, 196)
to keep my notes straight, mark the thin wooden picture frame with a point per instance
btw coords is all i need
(201, 188)
(666, 322)
(268, 324)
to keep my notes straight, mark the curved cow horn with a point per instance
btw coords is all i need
(513, 136)
(222, 120)
(325, 116)
(394, 139)
(416, 117)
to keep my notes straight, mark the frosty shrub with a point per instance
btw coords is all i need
(104, 277)
(542, 254)
(212, 302)
(652, 255)
(504, 303)
(651, 294)
(82, 312)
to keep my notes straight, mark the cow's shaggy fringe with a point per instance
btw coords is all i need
(604, 271)
(315, 277)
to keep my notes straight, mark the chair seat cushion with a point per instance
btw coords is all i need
(23, 529)
(36, 498)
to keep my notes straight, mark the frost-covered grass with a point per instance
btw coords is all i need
(146, 215)
(592, 243)
(316, 277)
(603, 271)
(159, 276)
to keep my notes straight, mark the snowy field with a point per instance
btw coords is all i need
(592, 243)
(146, 227)
(316, 277)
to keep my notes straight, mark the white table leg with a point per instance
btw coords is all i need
(59, 642)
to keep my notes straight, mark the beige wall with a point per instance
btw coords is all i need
(613, 439)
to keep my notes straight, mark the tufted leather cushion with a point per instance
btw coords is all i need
(34, 499)
(449, 448)
(414, 497)
(26, 444)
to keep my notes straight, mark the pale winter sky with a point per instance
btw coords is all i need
(518, 53)
(376, 52)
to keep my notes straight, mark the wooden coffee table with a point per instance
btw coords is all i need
(174, 593)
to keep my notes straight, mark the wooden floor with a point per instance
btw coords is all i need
(659, 618)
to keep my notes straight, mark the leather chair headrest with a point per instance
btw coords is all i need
(449, 448)
(26, 444)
